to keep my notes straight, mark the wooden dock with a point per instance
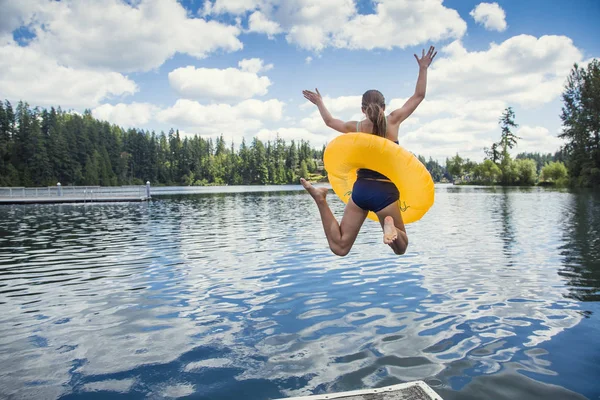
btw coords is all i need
(74, 194)
(417, 390)
(57, 200)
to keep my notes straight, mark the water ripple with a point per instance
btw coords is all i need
(223, 295)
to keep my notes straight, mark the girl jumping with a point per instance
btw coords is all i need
(372, 191)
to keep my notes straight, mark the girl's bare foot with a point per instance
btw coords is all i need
(318, 194)
(390, 233)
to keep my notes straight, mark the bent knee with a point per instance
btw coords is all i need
(340, 250)
(400, 250)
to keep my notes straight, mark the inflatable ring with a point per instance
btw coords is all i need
(349, 152)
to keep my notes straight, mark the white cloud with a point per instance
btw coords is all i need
(463, 107)
(34, 77)
(231, 120)
(254, 65)
(235, 7)
(311, 23)
(317, 24)
(341, 104)
(221, 84)
(453, 130)
(400, 23)
(308, 60)
(270, 110)
(442, 126)
(535, 139)
(490, 15)
(192, 118)
(523, 70)
(132, 115)
(259, 23)
(125, 37)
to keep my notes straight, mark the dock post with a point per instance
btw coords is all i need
(58, 185)
(147, 190)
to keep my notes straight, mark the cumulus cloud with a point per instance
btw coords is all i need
(222, 84)
(124, 37)
(523, 70)
(132, 115)
(232, 120)
(535, 139)
(341, 104)
(254, 65)
(259, 23)
(316, 24)
(235, 7)
(32, 76)
(490, 15)
(400, 23)
(245, 118)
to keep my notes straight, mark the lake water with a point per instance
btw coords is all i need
(237, 296)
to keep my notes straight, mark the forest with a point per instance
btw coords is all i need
(43, 147)
(40, 147)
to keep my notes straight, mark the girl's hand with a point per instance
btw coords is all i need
(426, 59)
(313, 97)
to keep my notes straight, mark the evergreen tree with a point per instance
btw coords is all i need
(499, 152)
(303, 170)
(436, 171)
(292, 162)
(259, 163)
(40, 167)
(581, 124)
(5, 144)
(507, 121)
(90, 170)
(245, 163)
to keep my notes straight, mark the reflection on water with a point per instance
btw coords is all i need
(581, 248)
(230, 295)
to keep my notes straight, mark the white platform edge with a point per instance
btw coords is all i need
(329, 396)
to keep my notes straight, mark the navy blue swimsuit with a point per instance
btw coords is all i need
(372, 194)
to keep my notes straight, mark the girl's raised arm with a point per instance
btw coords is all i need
(331, 122)
(399, 115)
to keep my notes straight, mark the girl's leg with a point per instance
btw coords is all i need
(340, 236)
(394, 232)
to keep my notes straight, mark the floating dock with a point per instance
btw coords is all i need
(417, 390)
(74, 194)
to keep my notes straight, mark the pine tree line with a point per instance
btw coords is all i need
(43, 147)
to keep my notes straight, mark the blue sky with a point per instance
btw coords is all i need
(238, 67)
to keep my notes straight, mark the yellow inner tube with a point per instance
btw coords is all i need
(352, 151)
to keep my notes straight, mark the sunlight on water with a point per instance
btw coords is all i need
(227, 295)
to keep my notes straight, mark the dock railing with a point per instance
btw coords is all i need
(76, 193)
